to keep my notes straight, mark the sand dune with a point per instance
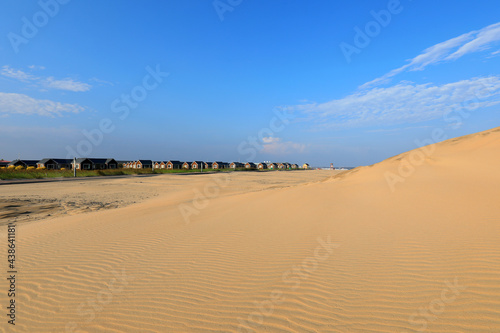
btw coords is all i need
(405, 245)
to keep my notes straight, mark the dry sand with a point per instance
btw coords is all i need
(274, 252)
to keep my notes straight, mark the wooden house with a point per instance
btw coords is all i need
(250, 165)
(55, 163)
(197, 165)
(186, 165)
(272, 166)
(4, 163)
(159, 165)
(144, 164)
(305, 166)
(234, 165)
(294, 166)
(82, 164)
(103, 163)
(174, 165)
(262, 166)
(218, 165)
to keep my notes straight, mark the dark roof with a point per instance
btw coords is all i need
(27, 162)
(90, 159)
(56, 160)
(82, 159)
(145, 162)
(251, 163)
(198, 162)
(100, 160)
(62, 160)
(176, 162)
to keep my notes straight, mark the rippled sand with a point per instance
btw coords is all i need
(305, 251)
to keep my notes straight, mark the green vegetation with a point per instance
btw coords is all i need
(32, 173)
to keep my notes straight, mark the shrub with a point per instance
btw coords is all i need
(63, 169)
(30, 168)
(10, 167)
(41, 168)
(19, 167)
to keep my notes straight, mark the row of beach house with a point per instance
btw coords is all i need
(111, 163)
(63, 163)
(198, 165)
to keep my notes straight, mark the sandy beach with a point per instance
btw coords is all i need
(391, 247)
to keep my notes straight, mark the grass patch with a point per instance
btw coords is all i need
(9, 173)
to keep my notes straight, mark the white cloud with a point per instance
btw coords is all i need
(22, 104)
(17, 74)
(405, 102)
(48, 83)
(275, 146)
(449, 50)
(482, 41)
(65, 84)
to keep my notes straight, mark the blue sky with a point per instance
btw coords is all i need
(343, 82)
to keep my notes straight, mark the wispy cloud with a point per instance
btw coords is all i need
(405, 102)
(17, 74)
(11, 103)
(67, 84)
(395, 130)
(275, 146)
(450, 50)
(94, 79)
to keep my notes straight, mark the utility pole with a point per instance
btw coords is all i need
(202, 166)
(74, 166)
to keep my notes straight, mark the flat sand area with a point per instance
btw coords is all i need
(302, 251)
